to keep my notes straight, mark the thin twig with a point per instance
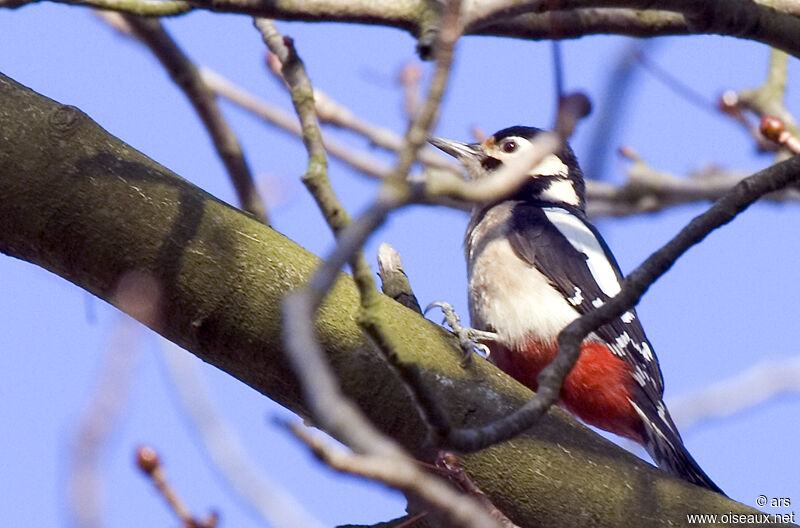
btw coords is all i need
(185, 74)
(225, 449)
(558, 70)
(409, 79)
(148, 461)
(404, 475)
(316, 176)
(767, 99)
(362, 162)
(85, 484)
(274, 115)
(750, 388)
(148, 8)
(330, 111)
(682, 89)
(649, 190)
(615, 98)
(138, 294)
(634, 286)
(329, 407)
(764, 102)
(775, 130)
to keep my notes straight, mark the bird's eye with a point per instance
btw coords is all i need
(509, 146)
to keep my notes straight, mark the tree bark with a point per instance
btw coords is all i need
(86, 206)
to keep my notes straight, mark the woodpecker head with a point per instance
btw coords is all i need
(557, 179)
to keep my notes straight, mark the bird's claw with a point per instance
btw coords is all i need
(468, 338)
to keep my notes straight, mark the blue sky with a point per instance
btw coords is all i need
(727, 305)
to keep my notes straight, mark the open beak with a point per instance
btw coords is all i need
(461, 151)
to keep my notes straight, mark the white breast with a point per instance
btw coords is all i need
(507, 294)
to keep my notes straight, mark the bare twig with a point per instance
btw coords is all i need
(767, 99)
(409, 78)
(775, 130)
(225, 449)
(185, 74)
(402, 474)
(148, 8)
(650, 190)
(448, 463)
(360, 161)
(754, 386)
(316, 175)
(764, 101)
(633, 287)
(137, 293)
(614, 101)
(330, 111)
(329, 407)
(85, 486)
(682, 89)
(147, 460)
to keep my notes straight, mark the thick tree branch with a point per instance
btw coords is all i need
(773, 23)
(84, 205)
(152, 34)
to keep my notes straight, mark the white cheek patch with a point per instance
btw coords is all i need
(551, 165)
(583, 240)
(561, 191)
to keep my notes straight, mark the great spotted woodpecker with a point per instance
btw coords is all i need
(535, 264)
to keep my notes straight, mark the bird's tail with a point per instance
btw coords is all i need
(664, 444)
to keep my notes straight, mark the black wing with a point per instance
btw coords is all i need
(540, 243)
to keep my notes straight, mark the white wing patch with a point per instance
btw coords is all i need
(628, 317)
(641, 377)
(577, 298)
(583, 240)
(622, 341)
(645, 351)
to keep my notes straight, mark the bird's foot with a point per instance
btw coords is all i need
(469, 338)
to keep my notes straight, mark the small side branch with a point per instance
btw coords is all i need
(149, 463)
(225, 449)
(394, 281)
(767, 99)
(360, 161)
(750, 388)
(186, 75)
(316, 176)
(406, 476)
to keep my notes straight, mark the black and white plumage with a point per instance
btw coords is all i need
(535, 264)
